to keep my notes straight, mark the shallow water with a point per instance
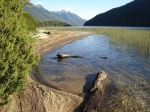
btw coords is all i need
(76, 75)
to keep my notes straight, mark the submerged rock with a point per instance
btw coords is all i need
(104, 57)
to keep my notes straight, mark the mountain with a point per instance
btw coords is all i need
(41, 14)
(69, 17)
(135, 13)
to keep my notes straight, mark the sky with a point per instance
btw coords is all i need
(86, 9)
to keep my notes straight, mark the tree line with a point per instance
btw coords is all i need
(51, 23)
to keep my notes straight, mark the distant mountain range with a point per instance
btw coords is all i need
(41, 14)
(135, 13)
(69, 17)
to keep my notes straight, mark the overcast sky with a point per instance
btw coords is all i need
(86, 9)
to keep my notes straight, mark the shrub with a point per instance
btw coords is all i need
(16, 56)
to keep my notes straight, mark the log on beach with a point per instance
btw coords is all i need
(47, 32)
(97, 92)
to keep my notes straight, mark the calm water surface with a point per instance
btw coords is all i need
(76, 75)
(139, 28)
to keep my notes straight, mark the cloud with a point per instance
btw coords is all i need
(56, 5)
(39, 3)
(69, 8)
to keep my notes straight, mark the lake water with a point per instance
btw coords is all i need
(71, 27)
(75, 75)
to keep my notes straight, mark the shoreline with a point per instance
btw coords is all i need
(56, 39)
(37, 97)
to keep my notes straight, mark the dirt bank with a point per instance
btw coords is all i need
(37, 97)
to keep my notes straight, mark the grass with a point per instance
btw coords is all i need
(138, 39)
(127, 94)
(134, 38)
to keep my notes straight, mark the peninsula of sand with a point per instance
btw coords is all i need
(40, 98)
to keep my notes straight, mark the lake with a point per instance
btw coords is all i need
(123, 65)
(127, 70)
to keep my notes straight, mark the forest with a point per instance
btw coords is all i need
(51, 23)
(133, 14)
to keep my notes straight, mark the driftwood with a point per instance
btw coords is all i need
(97, 92)
(61, 55)
(47, 32)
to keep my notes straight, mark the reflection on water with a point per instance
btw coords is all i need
(71, 74)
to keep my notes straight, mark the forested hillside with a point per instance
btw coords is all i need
(52, 23)
(69, 17)
(136, 13)
(41, 14)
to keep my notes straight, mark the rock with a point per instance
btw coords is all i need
(99, 82)
(97, 92)
(104, 57)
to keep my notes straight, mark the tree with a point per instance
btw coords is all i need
(31, 23)
(16, 56)
(26, 2)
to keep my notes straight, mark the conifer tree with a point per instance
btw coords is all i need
(16, 56)
(30, 21)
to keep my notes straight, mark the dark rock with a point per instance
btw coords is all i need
(47, 32)
(104, 57)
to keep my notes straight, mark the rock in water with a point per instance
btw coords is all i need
(97, 92)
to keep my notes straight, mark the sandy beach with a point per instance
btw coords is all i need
(37, 97)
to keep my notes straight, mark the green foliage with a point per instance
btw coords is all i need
(138, 39)
(16, 56)
(52, 23)
(31, 23)
(27, 2)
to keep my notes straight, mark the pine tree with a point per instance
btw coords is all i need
(30, 21)
(16, 56)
